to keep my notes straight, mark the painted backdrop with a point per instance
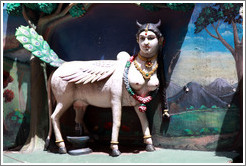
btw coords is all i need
(201, 74)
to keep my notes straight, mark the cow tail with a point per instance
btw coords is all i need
(50, 104)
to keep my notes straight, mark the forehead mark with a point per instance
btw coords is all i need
(149, 33)
(146, 29)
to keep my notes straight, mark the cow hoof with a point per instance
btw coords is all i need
(150, 148)
(115, 153)
(46, 145)
(62, 150)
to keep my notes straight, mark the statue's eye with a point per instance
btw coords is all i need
(151, 37)
(142, 38)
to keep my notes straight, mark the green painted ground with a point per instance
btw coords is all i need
(160, 156)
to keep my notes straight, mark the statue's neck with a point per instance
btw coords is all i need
(146, 55)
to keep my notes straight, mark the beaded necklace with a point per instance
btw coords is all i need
(146, 75)
(142, 100)
(148, 61)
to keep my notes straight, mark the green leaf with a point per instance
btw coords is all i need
(191, 107)
(214, 106)
(188, 132)
(203, 107)
(14, 9)
(204, 131)
(47, 8)
(13, 118)
(77, 10)
(181, 6)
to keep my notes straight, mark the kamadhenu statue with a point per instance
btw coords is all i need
(127, 81)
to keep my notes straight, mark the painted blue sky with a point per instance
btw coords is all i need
(204, 58)
(203, 41)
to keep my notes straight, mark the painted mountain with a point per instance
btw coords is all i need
(195, 97)
(222, 89)
(173, 89)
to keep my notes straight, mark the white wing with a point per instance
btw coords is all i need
(88, 71)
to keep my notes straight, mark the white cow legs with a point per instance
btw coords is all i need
(80, 108)
(146, 130)
(116, 113)
(55, 118)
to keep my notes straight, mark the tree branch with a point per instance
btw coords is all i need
(228, 46)
(218, 24)
(59, 8)
(235, 32)
(50, 27)
(45, 20)
(211, 34)
(64, 12)
(24, 13)
(58, 13)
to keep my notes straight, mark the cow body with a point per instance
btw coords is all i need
(107, 93)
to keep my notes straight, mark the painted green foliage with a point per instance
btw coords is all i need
(174, 6)
(48, 8)
(204, 121)
(181, 6)
(16, 8)
(202, 131)
(227, 12)
(77, 10)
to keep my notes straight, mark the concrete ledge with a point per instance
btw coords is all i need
(160, 156)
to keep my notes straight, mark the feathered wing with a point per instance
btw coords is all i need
(89, 71)
(35, 43)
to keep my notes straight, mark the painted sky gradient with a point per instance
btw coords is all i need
(204, 58)
(203, 41)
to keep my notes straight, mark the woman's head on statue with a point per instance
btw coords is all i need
(149, 38)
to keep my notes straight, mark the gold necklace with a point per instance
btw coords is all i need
(146, 75)
(148, 62)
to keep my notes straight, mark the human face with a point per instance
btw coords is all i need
(148, 43)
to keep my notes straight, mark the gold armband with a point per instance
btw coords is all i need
(147, 136)
(112, 142)
(59, 141)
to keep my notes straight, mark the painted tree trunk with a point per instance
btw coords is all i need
(239, 62)
(39, 108)
(39, 111)
(238, 145)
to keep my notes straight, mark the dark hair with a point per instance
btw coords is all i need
(150, 27)
(160, 73)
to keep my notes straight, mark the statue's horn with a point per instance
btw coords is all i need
(138, 24)
(158, 24)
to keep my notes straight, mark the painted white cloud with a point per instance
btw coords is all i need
(187, 37)
(226, 33)
(199, 38)
(223, 26)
